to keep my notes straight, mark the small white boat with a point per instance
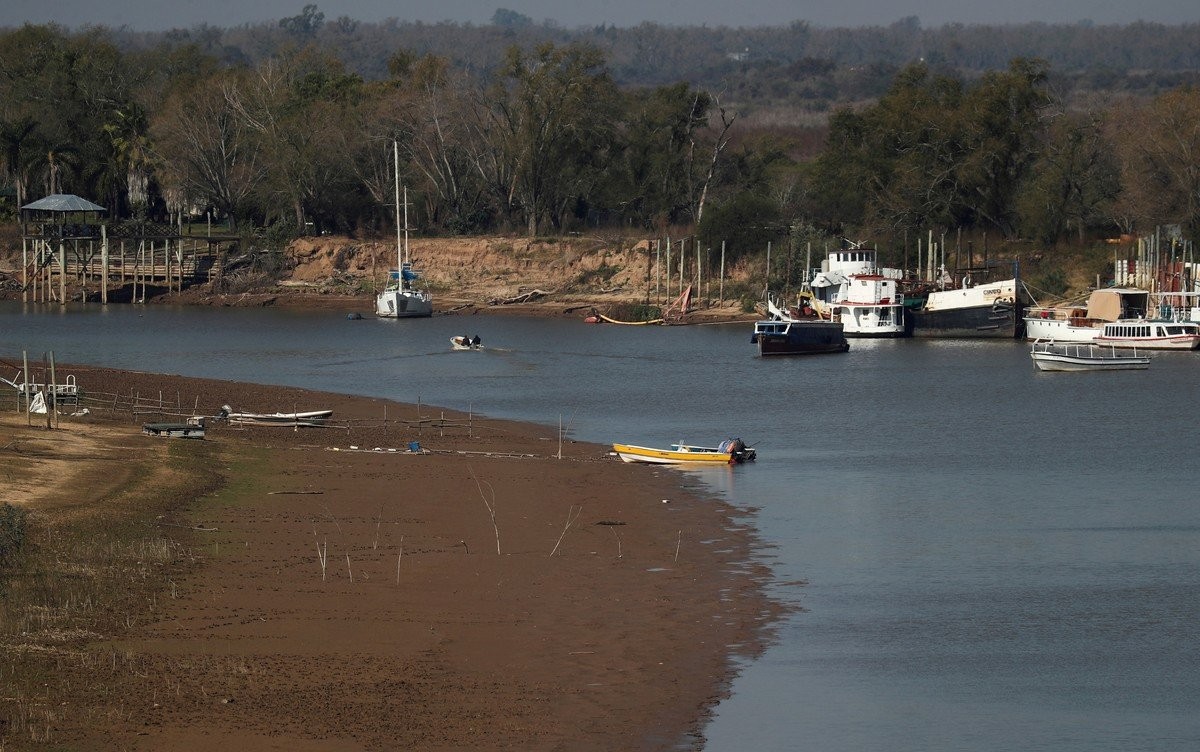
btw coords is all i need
(731, 451)
(466, 343)
(1071, 356)
(310, 418)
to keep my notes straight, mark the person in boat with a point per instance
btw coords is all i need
(475, 341)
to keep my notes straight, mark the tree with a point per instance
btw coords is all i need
(18, 139)
(1074, 181)
(1003, 117)
(1159, 151)
(552, 118)
(297, 108)
(306, 24)
(207, 155)
(651, 180)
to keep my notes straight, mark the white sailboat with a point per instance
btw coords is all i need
(400, 298)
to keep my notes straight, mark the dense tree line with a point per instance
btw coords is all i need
(547, 139)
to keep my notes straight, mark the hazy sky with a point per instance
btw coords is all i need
(165, 14)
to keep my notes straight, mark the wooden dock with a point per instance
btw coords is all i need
(98, 264)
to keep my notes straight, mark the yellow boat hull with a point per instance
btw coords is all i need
(682, 455)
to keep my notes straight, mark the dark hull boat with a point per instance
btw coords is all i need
(799, 337)
(986, 311)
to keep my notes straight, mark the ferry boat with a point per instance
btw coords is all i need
(1150, 335)
(851, 289)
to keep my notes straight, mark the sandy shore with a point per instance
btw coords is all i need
(497, 590)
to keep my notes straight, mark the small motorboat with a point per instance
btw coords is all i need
(731, 451)
(466, 343)
(1049, 355)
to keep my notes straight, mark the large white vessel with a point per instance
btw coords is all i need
(400, 297)
(852, 290)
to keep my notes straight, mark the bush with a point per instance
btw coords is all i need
(12, 532)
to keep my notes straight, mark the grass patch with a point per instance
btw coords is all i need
(93, 569)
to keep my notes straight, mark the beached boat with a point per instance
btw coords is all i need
(1074, 356)
(309, 418)
(1150, 335)
(400, 297)
(464, 342)
(731, 451)
(863, 297)
(174, 430)
(989, 310)
(1070, 323)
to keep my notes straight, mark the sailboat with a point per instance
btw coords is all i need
(400, 298)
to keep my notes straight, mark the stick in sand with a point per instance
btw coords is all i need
(572, 515)
(490, 507)
(398, 557)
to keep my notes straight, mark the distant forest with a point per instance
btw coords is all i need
(1055, 133)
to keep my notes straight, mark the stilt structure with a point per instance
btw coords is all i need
(63, 237)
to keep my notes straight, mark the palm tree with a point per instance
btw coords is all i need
(18, 140)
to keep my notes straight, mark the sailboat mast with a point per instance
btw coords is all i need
(396, 165)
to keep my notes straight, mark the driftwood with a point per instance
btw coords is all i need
(524, 297)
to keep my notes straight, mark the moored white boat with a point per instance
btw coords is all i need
(864, 298)
(731, 451)
(400, 297)
(1065, 323)
(1150, 335)
(1075, 356)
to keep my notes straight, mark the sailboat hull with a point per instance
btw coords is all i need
(403, 304)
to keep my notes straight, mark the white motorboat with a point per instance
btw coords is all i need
(400, 297)
(464, 342)
(1074, 356)
(1067, 323)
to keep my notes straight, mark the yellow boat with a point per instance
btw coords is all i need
(728, 452)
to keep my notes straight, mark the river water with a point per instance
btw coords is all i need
(986, 557)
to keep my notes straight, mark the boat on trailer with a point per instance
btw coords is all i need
(729, 452)
(1049, 355)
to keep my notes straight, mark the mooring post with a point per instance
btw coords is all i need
(62, 273)
(103, 265)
